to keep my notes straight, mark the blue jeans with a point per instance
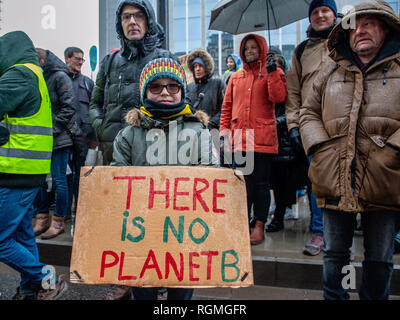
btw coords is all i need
(18, 247)
(379, 230)
(317, 225)
(59, 161)
(151, 293)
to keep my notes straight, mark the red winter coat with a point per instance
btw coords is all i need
(249, 103)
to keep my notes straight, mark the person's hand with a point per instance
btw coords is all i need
(271, 65)
(295, 140)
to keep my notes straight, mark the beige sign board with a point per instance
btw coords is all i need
(162, 226)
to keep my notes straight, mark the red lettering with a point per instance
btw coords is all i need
(176, 194)
(153, 192)
(217, 195)
(154, 265)
(197, 196)
(169, 260)
(192, 266)
(209, 255)
(121, 266)
(130, 180)
(105, 265)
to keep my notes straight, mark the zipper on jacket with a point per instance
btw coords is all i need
(119, 88)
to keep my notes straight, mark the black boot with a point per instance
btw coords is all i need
(274, 226)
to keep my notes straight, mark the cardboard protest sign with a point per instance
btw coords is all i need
(162, 227)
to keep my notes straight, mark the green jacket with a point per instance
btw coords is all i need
(147, 142)
(19, 94)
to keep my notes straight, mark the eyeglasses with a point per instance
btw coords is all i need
(172, 88)
(138, 16)
(77, 59)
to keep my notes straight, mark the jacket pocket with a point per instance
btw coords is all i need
(265, 132)
(381, 183)
(324, 171)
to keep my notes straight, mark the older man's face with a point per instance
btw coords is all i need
(367, 38)
(134, 23)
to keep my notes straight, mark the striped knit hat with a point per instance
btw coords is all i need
(162, 68)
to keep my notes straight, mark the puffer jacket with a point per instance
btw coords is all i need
(209, 91)
(19, 95)
(353, 122)
(61, 95)
(117, 83)
(131, 148)
(249, 103)
(301, 75)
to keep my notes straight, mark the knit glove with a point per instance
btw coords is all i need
(271, 66)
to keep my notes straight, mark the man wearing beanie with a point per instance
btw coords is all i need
(164, 113)
(308, 59)
(117, 84)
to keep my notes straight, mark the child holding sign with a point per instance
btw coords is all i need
(164, 132)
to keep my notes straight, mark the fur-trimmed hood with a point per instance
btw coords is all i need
(135, 118)
(206, 57)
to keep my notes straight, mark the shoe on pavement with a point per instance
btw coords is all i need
(53, 294)
(313, 247)
(20, 296)
(274, 226)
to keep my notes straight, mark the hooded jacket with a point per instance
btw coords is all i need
(61, 95)
(206, 94)
(238, 66)
(19, 95)
(301, 74)
(132, 146)
(352, 123)
(249, 103)
(117, 83)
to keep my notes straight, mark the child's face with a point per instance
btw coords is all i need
(164, 90)
(230, 64)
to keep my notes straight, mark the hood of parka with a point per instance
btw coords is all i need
(16, 48)
(53, 64)
(208, 61)
(153, 37)
(338, 41)
(262, 43)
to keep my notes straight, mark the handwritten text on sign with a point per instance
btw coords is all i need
(162, 226)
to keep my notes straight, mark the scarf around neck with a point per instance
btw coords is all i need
(163, 111)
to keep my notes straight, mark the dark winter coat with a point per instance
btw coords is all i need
(286, 153)
(19, 95)
(208, 92)
(117, 84)
(83, 87)
(61, 95)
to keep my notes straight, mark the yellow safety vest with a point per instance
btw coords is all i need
(29, 148)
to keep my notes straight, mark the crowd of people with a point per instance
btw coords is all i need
(329, 123)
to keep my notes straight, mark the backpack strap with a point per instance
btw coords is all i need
(300, 49)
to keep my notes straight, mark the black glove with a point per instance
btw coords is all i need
(295, 140)
(4, 135)
(271, 66)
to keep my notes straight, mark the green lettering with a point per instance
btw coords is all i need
(206, 231)
(140, 227)
(231, 265)
(178, 236)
